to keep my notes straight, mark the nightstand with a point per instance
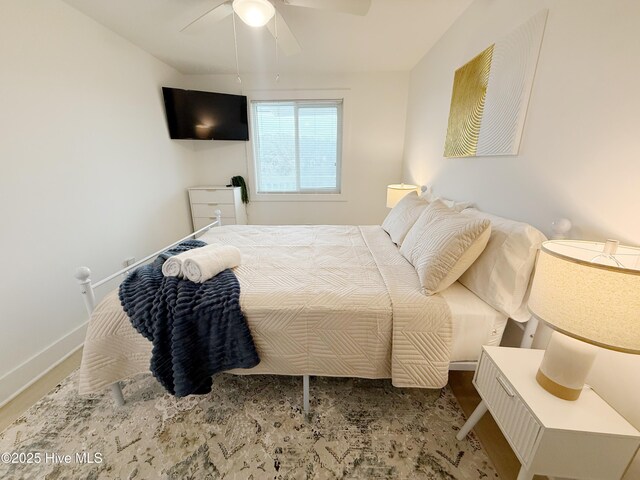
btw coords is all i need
(582, 439)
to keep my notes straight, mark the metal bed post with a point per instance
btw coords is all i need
(305, 394)
(529, 333)
(87, 287)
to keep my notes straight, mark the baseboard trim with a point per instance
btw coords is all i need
(463, 366)
(14, 382)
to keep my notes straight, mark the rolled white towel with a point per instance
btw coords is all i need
(172, 267)
(210, 261)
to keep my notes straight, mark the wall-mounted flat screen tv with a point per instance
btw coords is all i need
(205, 115)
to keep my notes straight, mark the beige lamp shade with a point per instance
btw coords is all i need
(396, 192)
(589, 291)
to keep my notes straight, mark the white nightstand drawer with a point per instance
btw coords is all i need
(519, 426)
(209, 209)
(211, 196)
(201, 222)
(205, 200)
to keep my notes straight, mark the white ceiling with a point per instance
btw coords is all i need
(393, 36)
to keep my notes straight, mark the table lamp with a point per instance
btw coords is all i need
(589, 293)
(396, 192)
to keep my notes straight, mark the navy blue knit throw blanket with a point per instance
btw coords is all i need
(197, 329)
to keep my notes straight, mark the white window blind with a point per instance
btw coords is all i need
(297, 145)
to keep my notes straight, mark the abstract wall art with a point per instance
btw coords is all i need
(491, 93)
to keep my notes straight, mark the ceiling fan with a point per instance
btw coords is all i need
(258, 13)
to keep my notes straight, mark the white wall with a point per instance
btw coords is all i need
(579, 153)
(578, 156)
(372, 155)
(88, 173)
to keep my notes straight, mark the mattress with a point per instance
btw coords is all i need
(474, 323)
(319, 300)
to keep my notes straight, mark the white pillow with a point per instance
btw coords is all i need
(443, 244)
(501, 275)
(402, 217)
(429, 197)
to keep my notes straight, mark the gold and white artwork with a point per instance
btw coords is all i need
(491, 93)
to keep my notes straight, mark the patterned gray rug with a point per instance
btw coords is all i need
(247, 428)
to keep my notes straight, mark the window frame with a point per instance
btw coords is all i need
(297, 96)
(297, 105)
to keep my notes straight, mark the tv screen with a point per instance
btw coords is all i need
(205, 115)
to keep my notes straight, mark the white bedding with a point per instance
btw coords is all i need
(319, 300)
(474, 323)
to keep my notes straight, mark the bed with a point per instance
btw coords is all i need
(321, 301)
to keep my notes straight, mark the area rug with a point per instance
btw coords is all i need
(248, 428)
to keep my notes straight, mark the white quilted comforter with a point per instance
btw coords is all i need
(319, 300)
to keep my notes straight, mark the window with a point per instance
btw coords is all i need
(297, 146)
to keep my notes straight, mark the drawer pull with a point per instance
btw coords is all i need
(505, 387)
(212, 204)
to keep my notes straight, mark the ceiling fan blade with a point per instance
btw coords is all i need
(354, 7)
(209, 18)
(286, 39)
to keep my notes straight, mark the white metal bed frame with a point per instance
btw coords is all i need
(87, 289)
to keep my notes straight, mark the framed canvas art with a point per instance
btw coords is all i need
(491, 93)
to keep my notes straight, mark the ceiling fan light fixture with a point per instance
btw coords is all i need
(255, 13)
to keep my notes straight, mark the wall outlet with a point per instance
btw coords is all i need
(128, 261)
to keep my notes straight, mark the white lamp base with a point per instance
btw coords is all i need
(565, 366)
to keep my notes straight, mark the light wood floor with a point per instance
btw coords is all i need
(25, 400)
(487, 431)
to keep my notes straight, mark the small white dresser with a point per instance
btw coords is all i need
(207, 199)
(550, 436)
